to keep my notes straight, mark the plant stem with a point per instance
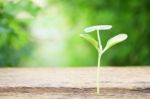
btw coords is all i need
(99, 61)
(99, 40)
(98, 73)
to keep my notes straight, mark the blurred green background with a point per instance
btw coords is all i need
(42, 33)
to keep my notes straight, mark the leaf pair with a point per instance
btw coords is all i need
(111, 42)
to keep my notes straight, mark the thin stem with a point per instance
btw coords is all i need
(98, 73)
(99, 40)
(99, 61)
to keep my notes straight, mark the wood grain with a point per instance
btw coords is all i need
(77, 83)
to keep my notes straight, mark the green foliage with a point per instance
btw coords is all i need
(15, 43)
(131, 17)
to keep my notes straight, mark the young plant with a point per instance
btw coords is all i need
(97, 44)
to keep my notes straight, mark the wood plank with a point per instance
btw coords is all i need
(79, 83)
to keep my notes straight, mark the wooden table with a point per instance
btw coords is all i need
(74, 83)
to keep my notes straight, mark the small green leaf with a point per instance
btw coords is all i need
(90, 39)
(98, 27)
(114, 40)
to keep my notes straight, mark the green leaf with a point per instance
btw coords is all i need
(114, 40)
(98, 27)
(90, 39)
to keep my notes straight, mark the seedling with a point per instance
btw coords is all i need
(97, 44)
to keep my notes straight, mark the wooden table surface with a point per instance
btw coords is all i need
(74, 83)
